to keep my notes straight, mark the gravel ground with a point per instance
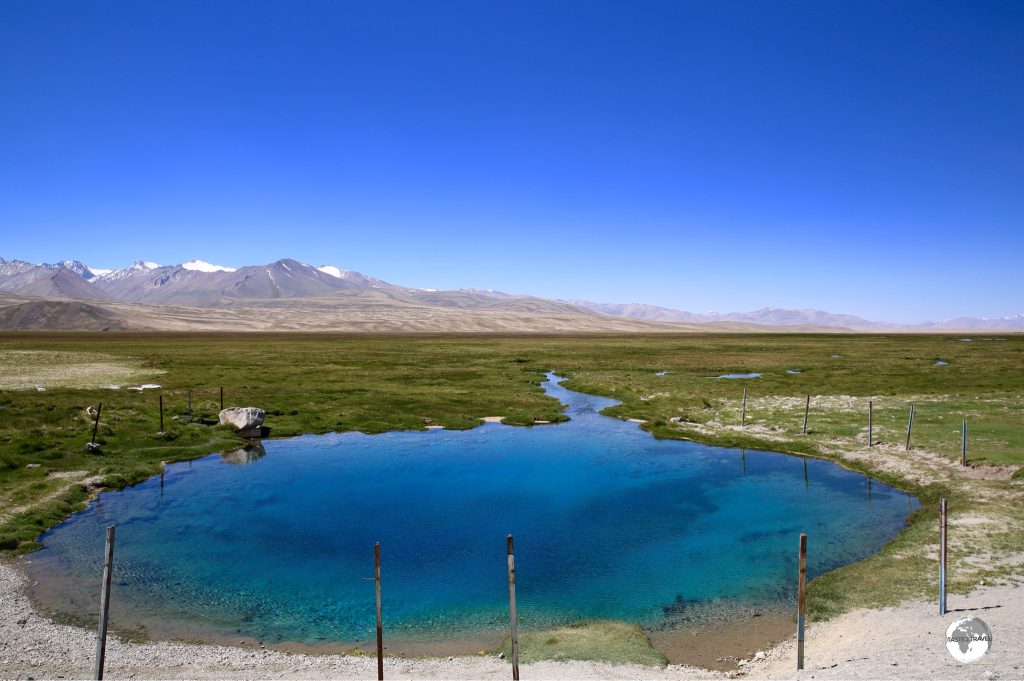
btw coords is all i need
(905, 642)
(33, 646)
(908, 642)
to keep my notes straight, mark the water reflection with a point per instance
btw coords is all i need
(244, 455)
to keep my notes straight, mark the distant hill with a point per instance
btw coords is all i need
(641, 311)
(353, 311)
(771, 316)
(1010, 324)
(58, 315)
(61, 283)
(786, 317)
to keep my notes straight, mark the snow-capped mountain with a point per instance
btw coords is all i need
(13, 266)
(137, 268)
(75, 266)
(200, 283)
(66, 279)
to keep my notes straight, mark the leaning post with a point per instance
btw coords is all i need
(512, 609)
(380, 629)
(942, 556)
(807, 408)
(101, 635)
(801, 602)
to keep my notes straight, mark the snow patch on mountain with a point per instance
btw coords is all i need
(333, 271)
(74, 265)
(138, 268)
(98, 272)
(203, 266)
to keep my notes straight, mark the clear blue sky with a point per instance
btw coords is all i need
(862, 157)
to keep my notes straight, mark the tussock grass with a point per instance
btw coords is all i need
(593, 640)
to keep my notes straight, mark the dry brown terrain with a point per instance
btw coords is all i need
(366, 311)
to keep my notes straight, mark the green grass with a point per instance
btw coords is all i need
(592, 640)
(316, 383)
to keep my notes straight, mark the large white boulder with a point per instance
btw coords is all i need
(243, 418)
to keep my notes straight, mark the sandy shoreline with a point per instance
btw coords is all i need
(899, 642)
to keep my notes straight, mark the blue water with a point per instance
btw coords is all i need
(608, 522)
(752, 375)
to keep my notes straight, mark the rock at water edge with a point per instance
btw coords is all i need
(243, 418)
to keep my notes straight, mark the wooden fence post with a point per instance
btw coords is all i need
(942, 556)
(512, 609)
(96, 422)
(871, 429)
(963, 443)
(910, 427)
(743, 414)
(801, 602)
(380, 630)
(807, 408)
(101, 635)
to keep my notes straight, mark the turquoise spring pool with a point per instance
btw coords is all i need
(277, 545)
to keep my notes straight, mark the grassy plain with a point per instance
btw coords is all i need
(318, 383)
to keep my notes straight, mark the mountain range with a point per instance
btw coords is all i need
(287, 293)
